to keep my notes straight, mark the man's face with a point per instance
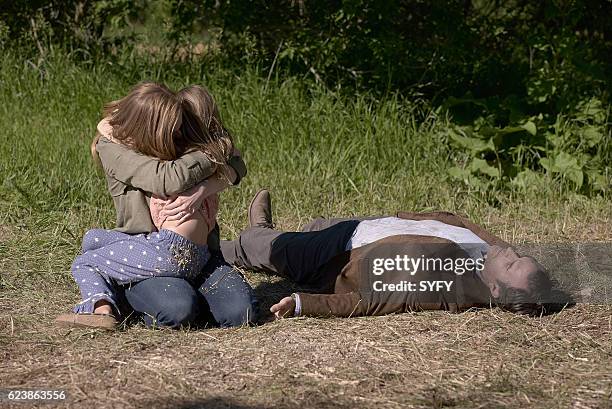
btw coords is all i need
(506, 266)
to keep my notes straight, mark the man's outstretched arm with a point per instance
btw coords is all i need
(355, 304)
(320, 305)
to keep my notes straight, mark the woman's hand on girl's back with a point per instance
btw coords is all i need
(183, 206)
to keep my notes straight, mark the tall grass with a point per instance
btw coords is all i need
(319, 153)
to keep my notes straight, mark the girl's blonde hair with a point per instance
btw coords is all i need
(155, 121)
(219, 144)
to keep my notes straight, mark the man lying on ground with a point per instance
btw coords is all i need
(382, 265)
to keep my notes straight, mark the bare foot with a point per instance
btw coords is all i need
(284, 308)
(103, 307)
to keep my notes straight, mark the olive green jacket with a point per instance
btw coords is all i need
(133, 177)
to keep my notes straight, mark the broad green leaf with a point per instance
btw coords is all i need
(526, 179)
(459, 173)
(481, 165)
(553, 138)
(564, 162)
(598, 181)
(473, 144)
(530, 127)
(576, 176)
(561, 163)
(566, 165)
(547, 164)
(591, 135)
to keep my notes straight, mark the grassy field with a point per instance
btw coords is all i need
(320, 155)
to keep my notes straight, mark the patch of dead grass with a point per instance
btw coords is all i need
(5, 233)
(433, 359)
(483, 358)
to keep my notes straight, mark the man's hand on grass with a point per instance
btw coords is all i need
(284, 308)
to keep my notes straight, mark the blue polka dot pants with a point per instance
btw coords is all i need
(110, 259)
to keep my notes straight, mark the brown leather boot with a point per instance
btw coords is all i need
(260, 210)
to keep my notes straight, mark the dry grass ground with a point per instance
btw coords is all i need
(479, 359)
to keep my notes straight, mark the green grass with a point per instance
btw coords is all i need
(319, 154)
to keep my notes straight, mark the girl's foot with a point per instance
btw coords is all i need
(103, 307)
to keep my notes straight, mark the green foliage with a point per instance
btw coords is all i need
(549, 55)
(525, 84)
(574, 150)
(517, 77)
(87, 27)
(549, 52)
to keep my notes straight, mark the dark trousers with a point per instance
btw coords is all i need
(223, 298)
(297, 255)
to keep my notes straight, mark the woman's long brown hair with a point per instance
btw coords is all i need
(218, 142)
(148, 120)
(155, 121)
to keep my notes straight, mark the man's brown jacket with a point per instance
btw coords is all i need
(347, 284)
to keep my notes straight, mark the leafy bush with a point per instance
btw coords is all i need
(447, 47)
(525, 82)
(83, 25)
(575, 150)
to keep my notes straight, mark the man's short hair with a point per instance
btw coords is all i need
(541, 297)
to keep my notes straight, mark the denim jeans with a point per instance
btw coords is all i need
(112, 259)
(222, 297)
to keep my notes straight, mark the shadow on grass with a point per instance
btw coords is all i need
(227, 403)
(207, 403)
(269, 293)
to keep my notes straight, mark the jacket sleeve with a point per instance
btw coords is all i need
(239, 166)
(332, 305)
(355, 304)
(162, 178)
